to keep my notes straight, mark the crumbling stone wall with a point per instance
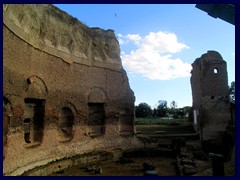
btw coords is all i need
(211, 107)
(65, 91)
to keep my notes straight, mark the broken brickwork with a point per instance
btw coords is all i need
(65, 91)
(211, 106)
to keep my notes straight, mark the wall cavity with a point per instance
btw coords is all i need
(34, 120)
(65, 123)
(96, 119)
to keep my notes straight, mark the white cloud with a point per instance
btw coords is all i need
(119, 35)
(120, 41)
(148, 58)
(163, 42)
(134, 37)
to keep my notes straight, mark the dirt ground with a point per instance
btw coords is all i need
(163, 165)
(134, 168)
(229, 168)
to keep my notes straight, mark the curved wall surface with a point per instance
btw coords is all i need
(64, 89)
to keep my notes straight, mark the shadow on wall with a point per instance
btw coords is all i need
(34, 120)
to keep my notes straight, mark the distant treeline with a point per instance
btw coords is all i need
(162, 110)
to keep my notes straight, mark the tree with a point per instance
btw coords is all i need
(162, 108)
(173, 106)
(187, 110)
(143, 110)
(154, 112)
(232, 92)
(180, 112)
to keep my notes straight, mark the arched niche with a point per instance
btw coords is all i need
(66, 115)
(36, 87)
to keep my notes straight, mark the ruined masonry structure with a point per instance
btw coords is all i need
(211, 106)
(65, 90)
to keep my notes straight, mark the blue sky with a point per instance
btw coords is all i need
(159, 42)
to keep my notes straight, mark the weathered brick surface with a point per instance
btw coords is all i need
(209, 83)
(53, 67)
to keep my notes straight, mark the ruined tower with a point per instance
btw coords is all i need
(211, 107)
(65, 92)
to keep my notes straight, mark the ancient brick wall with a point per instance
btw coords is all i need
(65, 91)
(211, 107)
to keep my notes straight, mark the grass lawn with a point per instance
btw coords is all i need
(154, 129)
(162, 121)
(150, 126)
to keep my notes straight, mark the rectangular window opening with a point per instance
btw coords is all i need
(34, 113)
(96, 118)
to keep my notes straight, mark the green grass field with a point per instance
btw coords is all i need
(162, 121)
(151, 126)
